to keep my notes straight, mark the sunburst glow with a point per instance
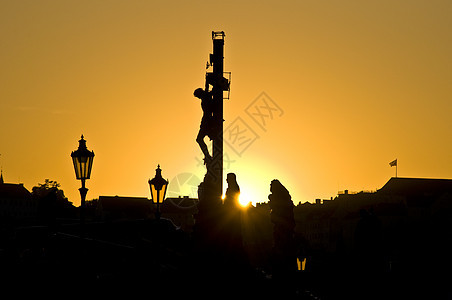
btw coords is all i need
(245, 198)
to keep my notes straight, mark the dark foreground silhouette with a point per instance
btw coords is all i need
(138, 255)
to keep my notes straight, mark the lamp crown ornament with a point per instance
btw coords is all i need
(82, 142)
(158, 171)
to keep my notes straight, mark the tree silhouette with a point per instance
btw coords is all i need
(52, 203)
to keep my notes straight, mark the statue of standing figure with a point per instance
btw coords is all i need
(282, 217)
(232, 218)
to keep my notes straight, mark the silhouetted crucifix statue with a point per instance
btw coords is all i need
(207, 122)
(212, 119)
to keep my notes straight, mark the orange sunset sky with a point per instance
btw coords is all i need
(358, 84)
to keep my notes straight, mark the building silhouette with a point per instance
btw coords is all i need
(16, 202)
(116, 208)
(180, 210)
(413, 216)
(394, 241)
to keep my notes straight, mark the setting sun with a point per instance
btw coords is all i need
(245, 198)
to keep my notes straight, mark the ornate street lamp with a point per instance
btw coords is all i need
(158, 187)
(83, 162)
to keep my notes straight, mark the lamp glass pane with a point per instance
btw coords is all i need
(76, 167)
(161, 196)
(82, 166)
(153, 194)
(82, 162)
(90, 166)
(86, 164)
(163, 192)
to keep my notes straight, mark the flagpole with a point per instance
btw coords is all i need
(394, 163)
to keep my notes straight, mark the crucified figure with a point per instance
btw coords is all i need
(207, 121)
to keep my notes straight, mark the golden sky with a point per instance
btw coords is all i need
(357, 84)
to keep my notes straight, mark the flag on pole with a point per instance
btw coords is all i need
(393, 163)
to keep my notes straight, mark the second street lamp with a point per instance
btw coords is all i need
(83, 162)
(158, 187)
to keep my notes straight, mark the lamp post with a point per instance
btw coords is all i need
(158, 187)
(83, 162)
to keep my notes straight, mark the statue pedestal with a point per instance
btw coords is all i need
(209, 212)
